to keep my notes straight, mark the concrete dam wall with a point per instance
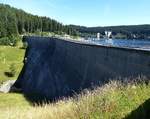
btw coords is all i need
(55, 68)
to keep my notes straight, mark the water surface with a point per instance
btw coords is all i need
(125, 43)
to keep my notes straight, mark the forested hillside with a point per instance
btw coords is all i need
(15, 21)
(129, 31)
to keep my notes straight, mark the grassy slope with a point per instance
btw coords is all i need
(9, 55)
(110, 101)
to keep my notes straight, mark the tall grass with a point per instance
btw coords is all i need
(111, 101)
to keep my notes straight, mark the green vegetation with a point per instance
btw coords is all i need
(13, 100)
(112, 101)
(10, 56)
(129, 31)
(11, 40)
(14, 22)
(12, 69)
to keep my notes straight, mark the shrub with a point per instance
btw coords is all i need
(14, 40)
(11, 40)
(38, 32)
(4, 41)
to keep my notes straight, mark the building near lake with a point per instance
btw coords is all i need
(98, 35)
(108, 34)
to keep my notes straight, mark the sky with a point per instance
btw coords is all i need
(88, 12)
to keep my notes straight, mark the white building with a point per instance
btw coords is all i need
(98, 35)
(108, 34)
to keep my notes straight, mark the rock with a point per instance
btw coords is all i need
(6, 86)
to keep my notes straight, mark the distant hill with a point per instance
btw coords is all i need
(16, 21)
(137, 31)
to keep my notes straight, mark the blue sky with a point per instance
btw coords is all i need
(88, 12)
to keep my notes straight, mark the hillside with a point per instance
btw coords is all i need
(140, 31)
(16, 21)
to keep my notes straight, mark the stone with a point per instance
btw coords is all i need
(6, 86)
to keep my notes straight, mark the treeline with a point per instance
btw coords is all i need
(130, 31)
(15, 21)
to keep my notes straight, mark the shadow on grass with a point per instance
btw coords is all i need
(142, 112)
(39, 99)
(36, 99)
(8, 74)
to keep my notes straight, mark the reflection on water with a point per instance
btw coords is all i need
(138, 44)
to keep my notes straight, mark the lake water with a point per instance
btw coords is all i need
(125, 43)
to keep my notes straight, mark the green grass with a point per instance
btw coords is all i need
(112, 101)
(9, 55)
(13, 100)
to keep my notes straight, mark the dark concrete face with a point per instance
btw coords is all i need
(57, 68)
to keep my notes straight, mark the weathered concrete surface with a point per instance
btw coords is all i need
(56, 68)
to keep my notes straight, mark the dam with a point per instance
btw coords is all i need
(55, 68)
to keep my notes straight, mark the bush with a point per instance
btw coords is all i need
(4, 41)
(12, 40)
(38, 32)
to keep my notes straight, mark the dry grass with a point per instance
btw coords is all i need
(113, 101)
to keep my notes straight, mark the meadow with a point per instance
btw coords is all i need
(8, 56)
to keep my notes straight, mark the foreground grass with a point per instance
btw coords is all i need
(12, 100)
(10, 55)
(112, 101)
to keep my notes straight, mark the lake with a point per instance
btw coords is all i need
(141, 44)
